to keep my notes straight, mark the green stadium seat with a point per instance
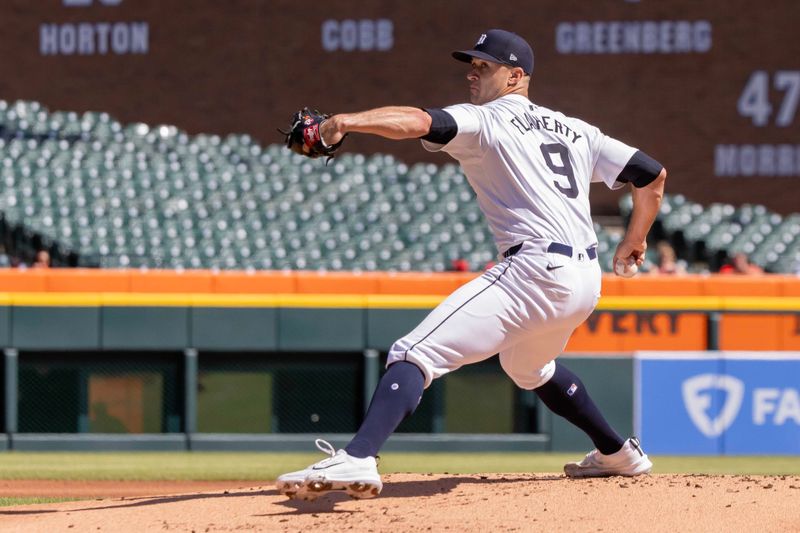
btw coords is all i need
(141, 195)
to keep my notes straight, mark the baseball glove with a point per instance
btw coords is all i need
(304, 138)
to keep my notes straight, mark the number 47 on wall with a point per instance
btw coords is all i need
(754, 101)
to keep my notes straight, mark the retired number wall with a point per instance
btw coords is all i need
(711, 89)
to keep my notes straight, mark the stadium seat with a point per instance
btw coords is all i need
(151, 195)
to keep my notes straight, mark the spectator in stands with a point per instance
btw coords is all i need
(459, 265)
(668, 262)
(42, 259)
(740, 264)
(5, 259)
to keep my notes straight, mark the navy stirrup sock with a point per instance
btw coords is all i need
(397, 396)
(566, 396)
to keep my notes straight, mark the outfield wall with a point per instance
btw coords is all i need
(145, 368)
(115, 309)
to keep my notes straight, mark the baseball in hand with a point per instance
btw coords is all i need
(626, 268)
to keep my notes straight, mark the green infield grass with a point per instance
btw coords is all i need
(8, 502)
(211, 466)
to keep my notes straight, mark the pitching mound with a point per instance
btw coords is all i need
(413, 502)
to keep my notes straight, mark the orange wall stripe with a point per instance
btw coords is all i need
(303, 282)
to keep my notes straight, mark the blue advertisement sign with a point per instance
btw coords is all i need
(708, 403)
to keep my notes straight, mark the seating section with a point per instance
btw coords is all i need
(114, 195)
(709, 236)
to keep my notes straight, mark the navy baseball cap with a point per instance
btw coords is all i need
(500, 46)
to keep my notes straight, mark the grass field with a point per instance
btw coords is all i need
(218, 466)
(7, 502)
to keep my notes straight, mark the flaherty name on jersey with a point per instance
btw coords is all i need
(528, 122)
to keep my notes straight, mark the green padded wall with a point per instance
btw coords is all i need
(58, 328)
(5, 326)
(223, 328)
(295, 347)
(320, 329)
(145, 328)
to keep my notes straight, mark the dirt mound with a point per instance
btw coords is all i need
(413, 502)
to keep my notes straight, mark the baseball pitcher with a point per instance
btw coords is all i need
(531, 168)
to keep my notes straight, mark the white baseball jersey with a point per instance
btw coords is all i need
(531, 169)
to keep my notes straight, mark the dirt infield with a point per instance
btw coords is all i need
(413, 502)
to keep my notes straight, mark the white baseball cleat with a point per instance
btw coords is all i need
(629, 461)
(357, 477)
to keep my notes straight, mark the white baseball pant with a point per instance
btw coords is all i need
(525, 308)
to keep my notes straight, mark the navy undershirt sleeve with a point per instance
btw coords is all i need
(641, 170)
(443, 126)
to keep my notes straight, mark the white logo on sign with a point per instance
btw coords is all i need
(512, 57)
(697, 399)
(481, 39)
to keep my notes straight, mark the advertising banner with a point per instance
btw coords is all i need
(710, 403)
